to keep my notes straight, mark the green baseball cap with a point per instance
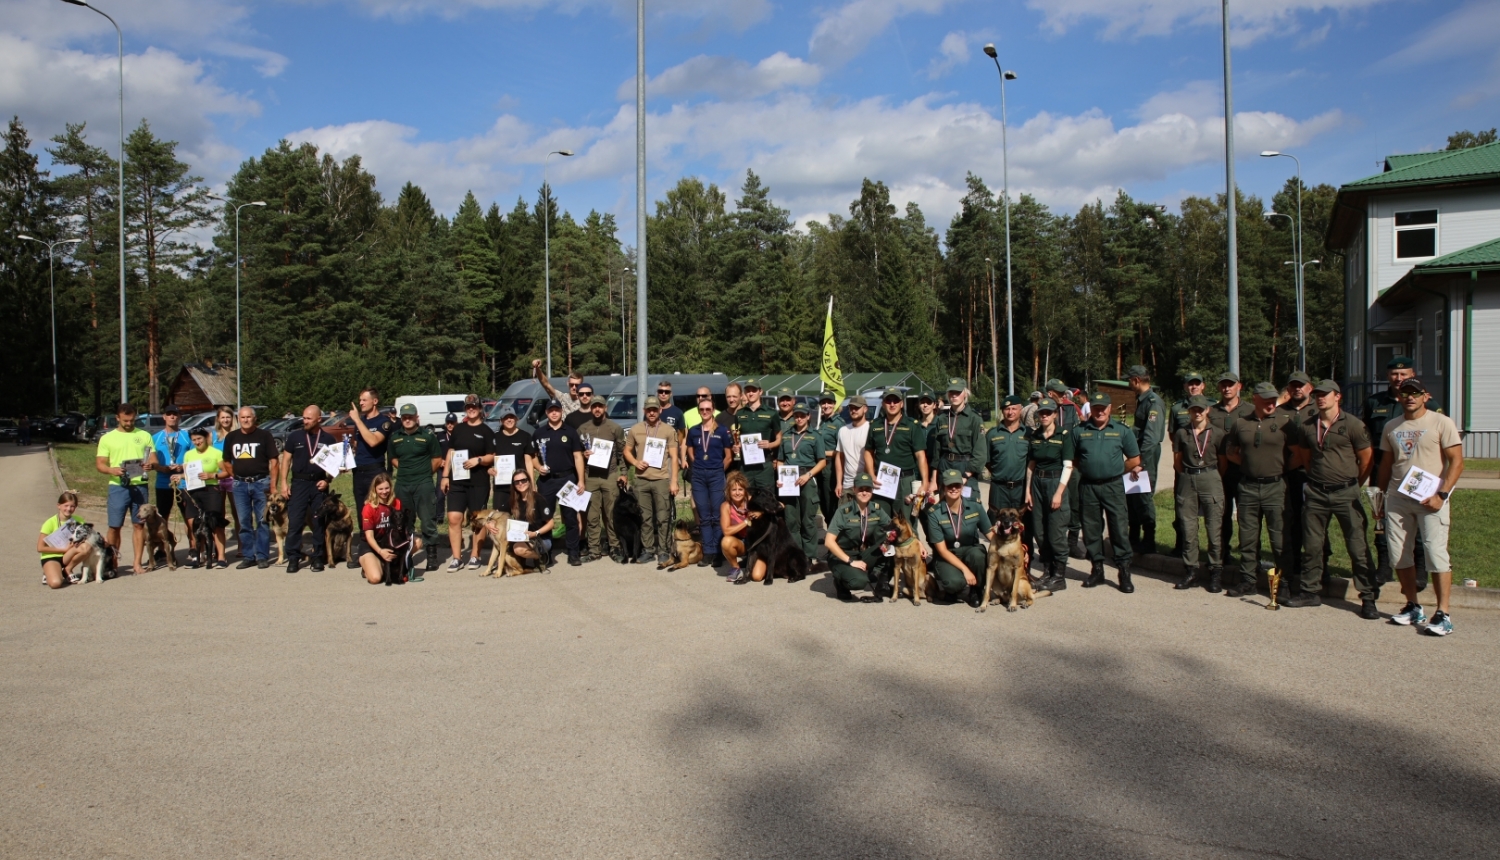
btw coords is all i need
(956, 384)
(1192, 376)
(1327, 385)
(409, 409)
(1228, 376)
(863, 481)
(893, 392)
(1046, 404)
(1013, 400)
(752, 383)
(783, 391)
(1299, 376)
(1056, 385)
(952, 476)
(1198, 401)
(1099, 398)
(801, 408)
(1266, 390)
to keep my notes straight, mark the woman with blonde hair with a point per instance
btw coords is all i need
(377, 519)
(223, 424)
(734, 519)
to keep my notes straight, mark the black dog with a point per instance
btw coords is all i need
(769, 540)
(398, 540)
(628, 525)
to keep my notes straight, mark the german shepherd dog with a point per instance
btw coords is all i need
(910, 567)
(398, 540)
(277, 518)
(1006, 576)
(628, 526)
(502, 561)
(338, 529)
(769, 540)
(99, 556)
(159, 537)
(687, 545)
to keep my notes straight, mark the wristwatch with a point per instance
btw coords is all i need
(1442, 495)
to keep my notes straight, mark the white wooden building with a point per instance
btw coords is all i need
(1421, 244)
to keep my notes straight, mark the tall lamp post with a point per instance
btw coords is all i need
(1297, 253)
(1301, 269)
(547, 248)
(1010, 335)
(640, 209)
(239, 370)
(53, 292)
(624, 354)
(124, 379)
(1229, 202)
(994, 340)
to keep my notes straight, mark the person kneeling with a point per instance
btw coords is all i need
(953, 528)
(524, 505)
(854, 538)
(57, 565)
(387, 534)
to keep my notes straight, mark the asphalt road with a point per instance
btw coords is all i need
(623, 712)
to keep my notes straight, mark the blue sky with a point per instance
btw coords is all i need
(470, 94)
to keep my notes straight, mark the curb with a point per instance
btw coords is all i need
(57, 478)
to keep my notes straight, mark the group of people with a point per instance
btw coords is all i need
(1285, 463)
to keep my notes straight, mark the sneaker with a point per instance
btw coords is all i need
(1411, 614)
(738, 577)
(1441, 625)
(454, 564)
(473, 562)
(221, 564)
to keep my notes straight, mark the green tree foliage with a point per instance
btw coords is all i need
(1465, 139)
(27, 208)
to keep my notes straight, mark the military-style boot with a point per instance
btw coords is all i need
(1189, 579)
(1215, 580)
(1096, 576)
(1126, 586)
(1148, 537)
(1059, 579)
(1075, 546)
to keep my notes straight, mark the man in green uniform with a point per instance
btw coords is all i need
(784, 400)
(1222, 415)
(1299, 405)
(954, 526)
(1377, 411)
(1261, 445)
(602, 482)
(1199, 489)
(956, 439)
(1050, 449)
(1006, 454)
(901, 442)
(755, 417)
(1335, 447)
(1103, 451)
(415, 455)
(1192, 383)
(1150, 430)
(854, 538)
(802, 447)
(828, 427)
(1069, 417)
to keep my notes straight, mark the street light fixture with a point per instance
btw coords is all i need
(1010, 335)
(239, 370)
(547, 247)
(1296, 252)
(124, 379)
(53, 292)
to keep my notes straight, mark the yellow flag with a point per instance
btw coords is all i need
(833, 377)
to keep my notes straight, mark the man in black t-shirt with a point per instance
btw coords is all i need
(585, 412)
(476, 443)
(304, 486)
(371, 429)
(250, 454)
(513, 443)
(558, 450)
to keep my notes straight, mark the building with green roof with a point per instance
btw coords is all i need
(1421, 247)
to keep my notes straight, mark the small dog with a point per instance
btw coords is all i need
(687, 545)
(159, 536)
(338, 529)
(1006, 569)
(502, 561)
(628, 524)
(768, 539)
(910, 567)
(97, 558)
(277, 518)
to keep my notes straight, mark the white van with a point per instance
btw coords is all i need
(433, 409)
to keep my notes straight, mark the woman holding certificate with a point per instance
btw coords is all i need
(202, 469)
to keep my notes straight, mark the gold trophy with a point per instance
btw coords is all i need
(1273, 576)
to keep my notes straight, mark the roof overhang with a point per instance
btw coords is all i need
(1418, 285)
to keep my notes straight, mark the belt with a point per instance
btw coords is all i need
(1101, 480)
(1197, 470)
(1330, 488)
(1009, 484)
(1246, 479)
(1039, 474)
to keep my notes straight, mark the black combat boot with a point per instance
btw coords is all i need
(1215, 580)
(1075, 546)
(1059, 579)
(1189, 579)
(1126, 586)
(1096, 575)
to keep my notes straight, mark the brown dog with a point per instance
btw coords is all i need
(686, 547)
(276, 517)
(158, 536)
(502, 561)
(1006, 570)
(910, 568)
(338, 529)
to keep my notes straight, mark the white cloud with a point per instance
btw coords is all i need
(738, 15)
(952, 52)
(727, 78)
(1128, 18)
(1468, 30)
(844, 32)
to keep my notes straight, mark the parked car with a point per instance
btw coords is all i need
(62, 428)
(10, 430)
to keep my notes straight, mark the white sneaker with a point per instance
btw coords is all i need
(1410, 615)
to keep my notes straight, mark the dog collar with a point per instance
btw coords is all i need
(908, 542)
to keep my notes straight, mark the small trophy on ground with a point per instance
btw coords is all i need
(1273, 578)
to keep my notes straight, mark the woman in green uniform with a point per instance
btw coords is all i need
(853, 541)
(953, 526)
(1047, 473)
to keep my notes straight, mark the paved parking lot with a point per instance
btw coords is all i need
(623, 712)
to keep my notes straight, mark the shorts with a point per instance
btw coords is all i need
(1405, 521)
(465, 497)
(203, 500)
(123, 499)
(49, 559)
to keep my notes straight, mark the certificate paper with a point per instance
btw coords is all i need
(192, 475)
(786, 481)
(572, 496)
(133, 469)
(459, 473)
(1419, 484)
(60, 538)
(515, 531)
(1136, 484)
(505, 469)
(602, 449)
(750, 449)
(330, 458)
(656, 452)
(887, 481)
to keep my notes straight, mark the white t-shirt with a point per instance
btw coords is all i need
(1418, 443)
(852, 450)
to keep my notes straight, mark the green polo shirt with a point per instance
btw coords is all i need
(1186, 443)
(957, 442)
(829, 430)
(1335, 457)
(764, 421)
(414, 453)
(1150, 420)
(938, 521)
(1101, 452)
(1047, 453)
(803, 450)
(854, 531)
(1264, 444)
(1008, 452)
(897, 443)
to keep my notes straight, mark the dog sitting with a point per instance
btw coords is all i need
(398, 540)
(910, 567)
(276, 516)
(769, 540)
(98, 556)
(502, 561)
(1005, 573)
(628, 524)
(338, 529)
(687, 545)
(159, 537)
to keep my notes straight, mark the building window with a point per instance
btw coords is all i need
(1416, 234)
(1438, 358)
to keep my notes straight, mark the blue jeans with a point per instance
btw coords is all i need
(255, 532)
(708, 495)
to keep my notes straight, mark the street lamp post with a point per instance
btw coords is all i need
(239, 370)
(640, 209)
(1010, 335)
(994, 340)
(124, 379)
(52, 290)
(624, 353)
(547, 247)
(1301, 271)
(1297, 253)
(1232, 228)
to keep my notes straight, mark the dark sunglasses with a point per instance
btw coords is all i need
(663, 391)
(521, 481)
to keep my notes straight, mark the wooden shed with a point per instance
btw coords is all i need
(201, 387)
